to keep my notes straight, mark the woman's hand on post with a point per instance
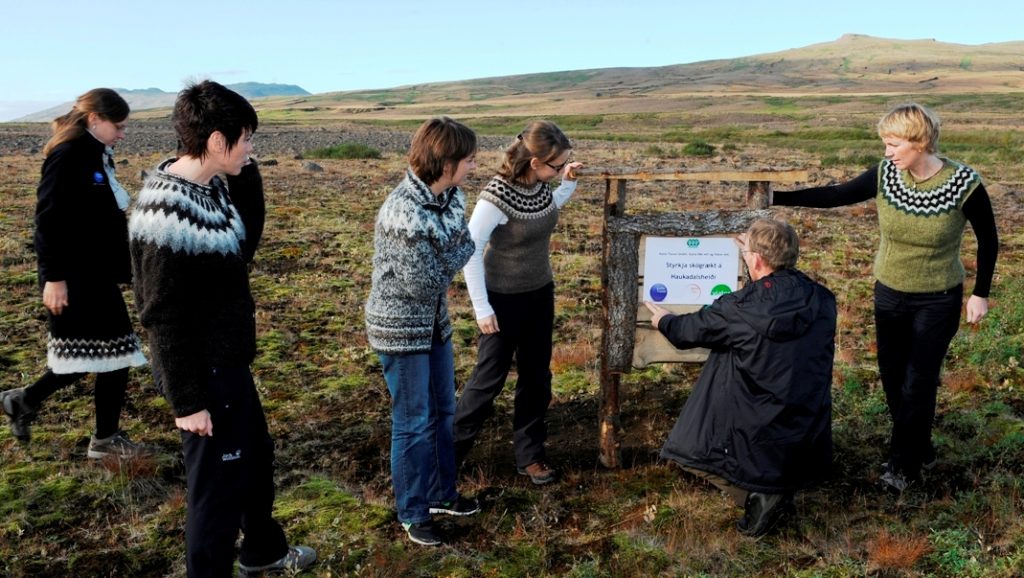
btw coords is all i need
(977, 307)
(488, 324)
(198, 423)
(55, 296)
(569, 172)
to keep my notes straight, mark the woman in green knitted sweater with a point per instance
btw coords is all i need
(924, 202)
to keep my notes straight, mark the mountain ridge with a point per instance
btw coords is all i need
(150, 98)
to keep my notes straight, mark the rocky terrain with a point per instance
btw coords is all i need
(157, 136)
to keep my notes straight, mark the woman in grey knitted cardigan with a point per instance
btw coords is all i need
(420, 243)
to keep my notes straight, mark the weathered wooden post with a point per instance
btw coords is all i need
(608, 415)
(625, 340)
(757, 194)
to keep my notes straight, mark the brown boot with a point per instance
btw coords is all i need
(540, 473)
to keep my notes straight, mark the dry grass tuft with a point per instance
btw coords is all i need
(572, 355)
(889, 552)
(961, 381)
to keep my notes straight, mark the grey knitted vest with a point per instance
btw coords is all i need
(517, 258)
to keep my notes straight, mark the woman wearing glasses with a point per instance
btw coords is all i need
(511, 285)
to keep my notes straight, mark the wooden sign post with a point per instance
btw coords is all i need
(626, 343)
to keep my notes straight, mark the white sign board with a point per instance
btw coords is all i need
(689, 270)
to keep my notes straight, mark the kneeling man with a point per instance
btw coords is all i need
(759, 421)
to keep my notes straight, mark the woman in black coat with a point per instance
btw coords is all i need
(81, 242)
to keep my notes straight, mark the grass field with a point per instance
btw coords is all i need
(329, 410)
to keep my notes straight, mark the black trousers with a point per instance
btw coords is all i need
(525, 322)
(231, 481)
(913, 331)
(108, 395)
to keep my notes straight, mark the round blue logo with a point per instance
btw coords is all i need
(659, 292)
(98, 177)
(693, 243)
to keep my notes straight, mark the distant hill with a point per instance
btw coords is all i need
(148, 98)
(852, 65)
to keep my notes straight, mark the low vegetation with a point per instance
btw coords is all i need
(329, 410)
(345, 150)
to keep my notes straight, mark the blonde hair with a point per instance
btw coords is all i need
(103, 102)
(541, 139)
(914, 123)
(439, 143)
(775, 241)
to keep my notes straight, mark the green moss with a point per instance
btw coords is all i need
(345, 150)
(320, 503)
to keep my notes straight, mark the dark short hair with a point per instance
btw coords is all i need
(775, 241)
(208, 107)
(437, 144)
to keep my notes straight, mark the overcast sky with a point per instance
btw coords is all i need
(53, 50)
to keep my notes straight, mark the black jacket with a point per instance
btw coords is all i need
(760, 415)
(81, 234)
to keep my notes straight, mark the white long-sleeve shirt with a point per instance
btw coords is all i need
(487, 217)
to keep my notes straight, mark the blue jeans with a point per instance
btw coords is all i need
(422, 387)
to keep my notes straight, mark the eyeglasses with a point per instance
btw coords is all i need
(558, 168)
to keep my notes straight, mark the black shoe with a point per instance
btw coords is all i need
(297, 559)
(19, 412)
(763, 512)
(461, 506)
(423, 533)
(930, 459)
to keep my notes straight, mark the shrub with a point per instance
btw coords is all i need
(346, 150)
(699, 148)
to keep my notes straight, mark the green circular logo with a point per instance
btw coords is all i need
(720, 290)
(693, 243)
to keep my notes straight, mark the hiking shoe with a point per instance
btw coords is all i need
(894, 481)
(540, 473)
(19, 412)
(297, 559)
(117, 445)
(930, 459)
(763, 512)
(461, 506)
(423, 533)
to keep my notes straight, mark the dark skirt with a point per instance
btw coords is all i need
(93, 334)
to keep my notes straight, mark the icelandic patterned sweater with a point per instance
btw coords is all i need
(190, 253)
(420, 243)
(518, 257)
(921, 223)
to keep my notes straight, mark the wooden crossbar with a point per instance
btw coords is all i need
(748, 175)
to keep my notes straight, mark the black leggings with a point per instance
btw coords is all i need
(108, 394)
(526, 321)
(914, 331)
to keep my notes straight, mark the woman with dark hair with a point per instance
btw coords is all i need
(193, 234)
(81, 242)
(420, 242)
(513, 292)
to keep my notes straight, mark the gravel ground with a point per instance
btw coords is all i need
(148, 137)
